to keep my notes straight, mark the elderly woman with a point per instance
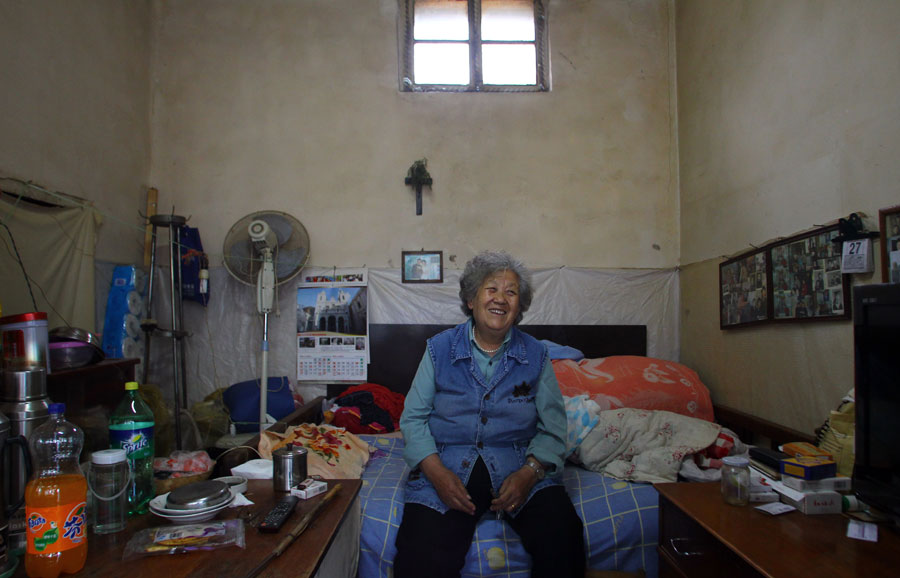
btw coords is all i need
(484, 426)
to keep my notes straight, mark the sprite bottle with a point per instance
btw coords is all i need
(131, 428)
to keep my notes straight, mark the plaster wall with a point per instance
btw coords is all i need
(75, 108)
(294, 106)
(788, 119)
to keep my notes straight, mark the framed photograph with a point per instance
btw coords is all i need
(744, 290)
(889, 223)
(807, 283)
(423, 267)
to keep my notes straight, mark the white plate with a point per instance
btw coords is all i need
(158, 505)
(194, 516)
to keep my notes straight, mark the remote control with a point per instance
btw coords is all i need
(279, 514)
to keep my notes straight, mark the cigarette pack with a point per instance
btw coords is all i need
(809, 467)
(309, 488)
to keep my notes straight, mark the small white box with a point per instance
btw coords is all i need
(837, 484)
(309, 488)
(825, 502)
(764, 497)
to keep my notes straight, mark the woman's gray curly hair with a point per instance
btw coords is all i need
(488, 263)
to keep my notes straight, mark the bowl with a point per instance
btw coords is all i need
(237, 484)
(71, 355)
(186, 517)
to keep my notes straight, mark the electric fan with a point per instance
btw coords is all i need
(265, 249)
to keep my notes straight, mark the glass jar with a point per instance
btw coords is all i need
(736, 480)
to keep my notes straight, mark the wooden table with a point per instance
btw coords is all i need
(700, 535)
(300, 559)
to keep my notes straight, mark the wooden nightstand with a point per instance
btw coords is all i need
(700, 535)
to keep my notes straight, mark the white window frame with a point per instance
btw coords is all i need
(476, 84)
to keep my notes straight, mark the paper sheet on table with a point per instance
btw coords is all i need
(258, 469)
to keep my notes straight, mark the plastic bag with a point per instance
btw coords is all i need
(179, 539)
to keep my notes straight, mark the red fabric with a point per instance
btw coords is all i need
(349, 418)
(636, 382)
(390, 401)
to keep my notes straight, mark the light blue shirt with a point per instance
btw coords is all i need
(548, 445)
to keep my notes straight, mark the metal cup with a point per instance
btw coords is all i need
(289, 468)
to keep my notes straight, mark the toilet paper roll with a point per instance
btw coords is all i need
(131, 348)
(140, 281)
(135, 303)
(133, 326)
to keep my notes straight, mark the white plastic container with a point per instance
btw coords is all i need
(25, 341)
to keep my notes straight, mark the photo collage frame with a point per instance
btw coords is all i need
(793, 279)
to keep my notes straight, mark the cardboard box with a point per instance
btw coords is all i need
(837, 484)
(825, 502)
(795, 449)
(309, 488)
(809, 467)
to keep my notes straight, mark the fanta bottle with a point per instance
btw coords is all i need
(56, 499)
(131, 428)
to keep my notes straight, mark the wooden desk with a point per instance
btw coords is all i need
(700, 535)
(300, 559)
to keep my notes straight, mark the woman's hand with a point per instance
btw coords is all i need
(449, 487)
(514, 490)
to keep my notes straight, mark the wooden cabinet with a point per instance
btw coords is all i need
(702, 536)
(90, 394)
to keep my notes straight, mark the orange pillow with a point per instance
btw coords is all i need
(636, 382)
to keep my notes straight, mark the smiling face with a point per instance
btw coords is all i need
(496, 305)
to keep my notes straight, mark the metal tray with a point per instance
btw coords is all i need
(198, 496)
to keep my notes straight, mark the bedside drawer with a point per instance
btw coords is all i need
(687, 550)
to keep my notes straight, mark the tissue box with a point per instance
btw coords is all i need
(825, 502)
(309, 488)
(809, 467)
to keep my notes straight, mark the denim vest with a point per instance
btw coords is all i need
(473, 418)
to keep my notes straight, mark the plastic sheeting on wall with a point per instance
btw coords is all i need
(225, 338)
(565, 296)
(57, 248)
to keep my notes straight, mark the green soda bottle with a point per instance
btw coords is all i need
(131, 428)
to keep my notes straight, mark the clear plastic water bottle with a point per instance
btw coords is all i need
(56, 499)
(131, 428)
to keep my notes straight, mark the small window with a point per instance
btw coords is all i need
(473, 46)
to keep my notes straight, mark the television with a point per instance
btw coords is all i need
(876, 342)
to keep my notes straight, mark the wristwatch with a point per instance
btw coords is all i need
(536, 466)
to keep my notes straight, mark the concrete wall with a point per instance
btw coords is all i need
(788, 118)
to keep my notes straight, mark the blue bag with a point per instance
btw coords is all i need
(242, 400)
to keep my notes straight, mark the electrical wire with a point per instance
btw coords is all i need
(21, 264)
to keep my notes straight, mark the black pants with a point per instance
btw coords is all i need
(433, 544)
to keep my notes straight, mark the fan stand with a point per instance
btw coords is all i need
(265, 297)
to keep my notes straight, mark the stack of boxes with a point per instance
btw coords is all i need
(810, 480)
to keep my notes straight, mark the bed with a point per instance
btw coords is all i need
(620, 516)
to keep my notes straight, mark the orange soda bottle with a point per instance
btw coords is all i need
(56, 500)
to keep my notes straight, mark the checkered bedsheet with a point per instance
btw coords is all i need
(620, 522)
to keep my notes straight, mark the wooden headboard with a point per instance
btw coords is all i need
(397, 349)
